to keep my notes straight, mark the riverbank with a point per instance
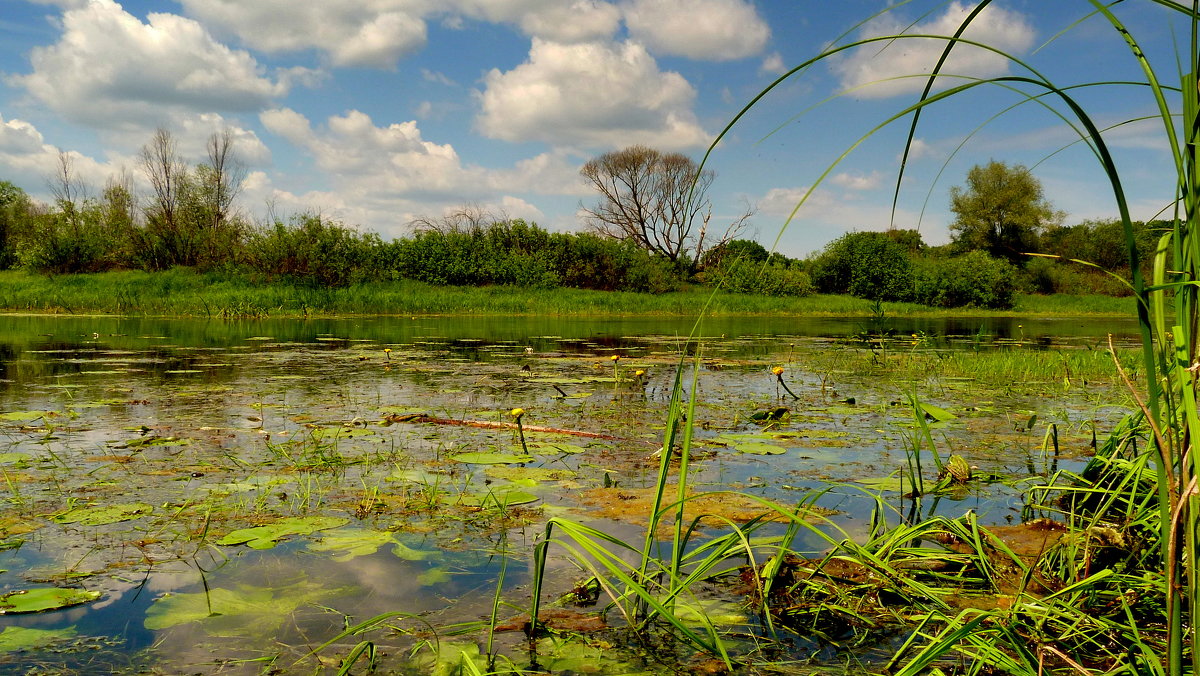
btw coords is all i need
(186, 293)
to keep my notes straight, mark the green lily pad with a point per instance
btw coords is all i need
(13, 458)
(13, 639)
(341, 432)
(498, 498)
(351, 543)
(103, 515)
(25, 416)
(887, 483)
(485, 458)
(41, 599)
(546, 447)
(266, 537)
(709, 611)
(759, 448)
(242, 612)
(534, 473)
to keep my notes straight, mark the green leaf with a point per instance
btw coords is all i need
(41, 599)
(938, 414)
(100, 516)
(25, 416)
(759, 448)
(484, 458)
(265, 537)
(25, 638)
(887, 483)
(242, 612)
(351, 543)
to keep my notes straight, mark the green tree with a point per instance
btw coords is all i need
(869, 265)
(1001, 211)
(15, 208)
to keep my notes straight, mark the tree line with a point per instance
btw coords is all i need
(650, 230)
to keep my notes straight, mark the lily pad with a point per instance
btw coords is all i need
(25, 416)
(242, 612)
(103, 515)
(759, 448)
(555, 447)
(486, 458)
(341, 432)
(887, 483)
(352, 543)
(266, 537)
(498, 498)
(41, 599)
(13, 458)
(13, 639)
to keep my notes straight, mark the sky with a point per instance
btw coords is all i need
(379, 112)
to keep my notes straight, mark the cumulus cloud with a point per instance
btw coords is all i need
(385, 175)
(352, 33)
(378, 33)
(573, 21)
(716, 30)
(832, 213)
(874, 64)
(25, 154)
(110, 69)
(592, 95)
(857, 181)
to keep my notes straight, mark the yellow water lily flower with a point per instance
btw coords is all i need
(517, 412)
(778, 370)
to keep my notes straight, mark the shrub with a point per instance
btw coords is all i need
(314, 251)
(973, 279)
(865, 264)
(743, 275)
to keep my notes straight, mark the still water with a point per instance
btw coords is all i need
(379, 460)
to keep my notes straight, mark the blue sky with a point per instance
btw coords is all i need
(377, 112)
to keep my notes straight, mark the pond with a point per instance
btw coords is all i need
(227, 497)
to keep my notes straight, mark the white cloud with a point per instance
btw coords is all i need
(574, 21)
(833, 214)
(773, 64)
(374, 33)
(378, 33)
(875, 63)
(857, 181)
(383, 176)
(591, 95)
(716, 30)
(111, 70)
(25, 155)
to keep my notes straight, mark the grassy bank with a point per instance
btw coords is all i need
(183, 292)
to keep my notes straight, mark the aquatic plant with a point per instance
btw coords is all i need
(1058, 630)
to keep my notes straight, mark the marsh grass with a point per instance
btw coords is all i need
(1117, 591)
(184, 292)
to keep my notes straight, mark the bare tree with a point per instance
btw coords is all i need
(658, 200)
(222, 181)
(167, 174)
(469, 218)
(67, 188)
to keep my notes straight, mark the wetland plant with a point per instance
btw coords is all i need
(1105, 582)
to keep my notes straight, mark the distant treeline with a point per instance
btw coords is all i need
(196, 229)
(113, 233)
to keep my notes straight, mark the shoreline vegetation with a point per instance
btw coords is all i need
(188, 293)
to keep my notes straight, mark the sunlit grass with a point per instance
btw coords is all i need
(187, 293)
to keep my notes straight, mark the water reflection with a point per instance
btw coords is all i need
(225, 425)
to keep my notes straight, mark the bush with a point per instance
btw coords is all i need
(314, 251)
(1046, 276)
(865, 264)
(973, 279)
(743, 275)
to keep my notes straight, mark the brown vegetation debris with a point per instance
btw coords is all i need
(557, 619)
